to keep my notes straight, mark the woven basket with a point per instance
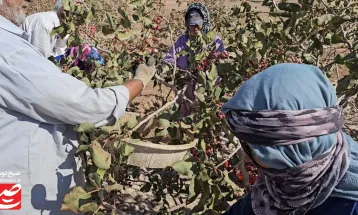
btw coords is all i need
(155, 156)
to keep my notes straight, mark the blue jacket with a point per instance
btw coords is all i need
(332, 206)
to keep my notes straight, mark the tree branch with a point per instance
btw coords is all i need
(162, 81)
(159, 110)
(230, 156)
(173, 47)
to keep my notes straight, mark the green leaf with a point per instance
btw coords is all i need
(164, 123)
(205, 197)
(82, 148)
(292, 7)
(95, 180)
(213, 72)
(125, 21)
(84, 139)
(202, 78)
(109, 84)
(126, 150)
(135, 3)
(132, 122)
(89, 207)
(199, 56)
(135, 17)
(101, 158)
(86, 128)
(123, 36)
(147, 22)
(161, 132)
(119, 81)
(87, 81)
(323, 20)
(216, 195)
(256, 57)
(185, 126)
(203, 145)
(194, 190)
(210, 36)
(114, 187)
(99, 84)
(229, 182)
(203, 176)
(72, 200)
(289, 54)
(101, 173)
(146, 188)
(66, 5)
(200, 96)
(73, 70)
(336, 39)
(106, 129)
(217, 93)
(182, 53)
(90, 16)
(244, 39)
(259, 45)
(183, 167)
(106, 30)
(57, 30)
(199, 125)
(308, 58)
(72, 26)
(201, 90)
(339, 58)
(110, 21)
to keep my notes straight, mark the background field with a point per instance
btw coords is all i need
(149, 96)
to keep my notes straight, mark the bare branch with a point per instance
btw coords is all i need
(173, 47)
(159, 110)
(230, 156)
(162, 81)
(337, 72)
(189, 73)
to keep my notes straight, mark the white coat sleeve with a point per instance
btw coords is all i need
(34, 86)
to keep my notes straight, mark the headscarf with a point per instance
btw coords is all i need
(300, 103)
(204, 12)
(84, 56)
(194, 18)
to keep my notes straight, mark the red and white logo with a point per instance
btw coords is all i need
(10, 196)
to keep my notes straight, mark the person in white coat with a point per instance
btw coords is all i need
(39, 105)
(39, 27)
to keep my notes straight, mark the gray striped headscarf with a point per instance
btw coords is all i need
(287, 118)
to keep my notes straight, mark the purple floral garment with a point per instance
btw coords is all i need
(182, 63)
(180, 44)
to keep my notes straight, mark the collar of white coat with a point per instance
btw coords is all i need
(6, 25)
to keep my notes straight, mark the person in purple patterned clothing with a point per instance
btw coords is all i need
(197, 21)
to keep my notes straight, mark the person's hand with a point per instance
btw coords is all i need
(145, 72)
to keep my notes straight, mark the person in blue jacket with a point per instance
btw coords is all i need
(290, 124)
